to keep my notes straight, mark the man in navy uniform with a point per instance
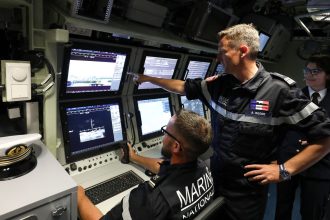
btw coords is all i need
(251, 109)
(183, 185)
(315, 181)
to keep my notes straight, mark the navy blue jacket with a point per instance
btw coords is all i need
(250, 119)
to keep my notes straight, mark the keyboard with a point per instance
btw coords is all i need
(112, 187)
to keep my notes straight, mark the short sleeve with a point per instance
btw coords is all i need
(193, 88)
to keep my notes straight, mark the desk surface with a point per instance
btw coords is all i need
(46, 182)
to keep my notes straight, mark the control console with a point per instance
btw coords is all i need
(82, 166)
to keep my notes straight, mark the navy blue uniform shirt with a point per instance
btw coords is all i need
(178, 190)
(249, 119)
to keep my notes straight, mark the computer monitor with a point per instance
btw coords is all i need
(157, 64)
(93, 70)
(263, 40)
(197, 67)
(219, 69)
(152, 112)
(206, 20)
(194, 105)
(91, 127)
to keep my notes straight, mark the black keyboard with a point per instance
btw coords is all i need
(112, 187)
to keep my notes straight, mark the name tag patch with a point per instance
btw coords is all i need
(259, 107)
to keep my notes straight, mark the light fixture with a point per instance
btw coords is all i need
(319, 10)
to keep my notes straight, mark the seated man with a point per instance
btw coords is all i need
(183, 185)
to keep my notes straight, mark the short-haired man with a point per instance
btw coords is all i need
(183, 185)
(250, 112)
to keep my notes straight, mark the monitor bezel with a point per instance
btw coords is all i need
(65, 131)
(195, 58)
(138, 115)
(88, 45)
(162, 54)
(182, 106)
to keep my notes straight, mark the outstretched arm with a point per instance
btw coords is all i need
(171, 85)
(87, 210)
(267, 173)
(151, 164)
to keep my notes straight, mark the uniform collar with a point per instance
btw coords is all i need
(166, 167)
(254, 83)
(322, 93)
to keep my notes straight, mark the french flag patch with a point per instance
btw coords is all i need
(259, 105)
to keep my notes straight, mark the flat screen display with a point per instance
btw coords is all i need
(194, 105)
(219, 69)
(197, 68)
(159, 65)
(91, 128)
(263, 40)
(153, 113)
(93, 70)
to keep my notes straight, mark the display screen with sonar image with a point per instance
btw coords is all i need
(93, 69)
(219, 69)
(194, 105)
(197, 69)
(158, 65)
(91, 128)
(153, 112)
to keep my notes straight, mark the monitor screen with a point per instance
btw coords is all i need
(194, 105)
(219, 69)
(197, 68)
(159, 65)
(93, 70)
(263, 40)
(152, 113)
(91, 127)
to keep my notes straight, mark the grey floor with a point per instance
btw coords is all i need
(270, 210)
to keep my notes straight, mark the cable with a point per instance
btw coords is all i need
(50, 78)
(50, 68)
(130, 116)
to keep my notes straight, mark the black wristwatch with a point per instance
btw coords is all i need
(284, 174)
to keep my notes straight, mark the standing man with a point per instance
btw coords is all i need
(251, 108)
(315, 181)
(183, 186)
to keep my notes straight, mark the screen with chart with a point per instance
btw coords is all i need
(219, 69)
(152, 113)
(157, 64)
(197, 68)
(91, 128)
(194, 105)
(93, 70)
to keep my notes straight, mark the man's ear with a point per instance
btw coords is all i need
(244, 50)
(176, 147)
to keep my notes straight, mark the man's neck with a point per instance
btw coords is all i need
(179, 160)
(246, 72)
(317, 89)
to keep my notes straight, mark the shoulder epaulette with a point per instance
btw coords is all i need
(287, 79)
